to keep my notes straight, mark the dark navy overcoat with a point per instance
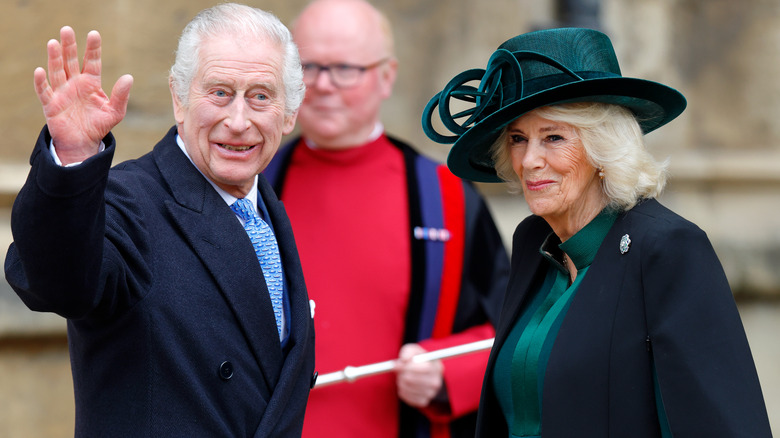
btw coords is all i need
(652, 324)
(170, 326)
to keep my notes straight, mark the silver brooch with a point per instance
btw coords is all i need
(625, 243)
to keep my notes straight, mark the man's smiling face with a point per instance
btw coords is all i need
(235, 118)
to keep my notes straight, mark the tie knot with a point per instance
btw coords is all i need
(244, 209)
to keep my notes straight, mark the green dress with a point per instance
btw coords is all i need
(518, 377)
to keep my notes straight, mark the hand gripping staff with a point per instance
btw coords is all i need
(352, 373)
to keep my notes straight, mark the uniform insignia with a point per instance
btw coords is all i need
(429, 233)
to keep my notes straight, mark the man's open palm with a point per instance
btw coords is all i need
(78, 112)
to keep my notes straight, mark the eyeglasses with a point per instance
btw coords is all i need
(341, 75)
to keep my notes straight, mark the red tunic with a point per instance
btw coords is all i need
(350, 208)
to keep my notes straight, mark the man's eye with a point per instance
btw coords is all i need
(344, 69)
(220, 93)
(260, 96)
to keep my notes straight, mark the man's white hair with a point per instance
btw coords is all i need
(236, 19)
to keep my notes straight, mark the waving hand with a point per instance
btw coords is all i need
(78, 112)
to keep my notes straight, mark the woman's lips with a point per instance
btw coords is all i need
(538, 184)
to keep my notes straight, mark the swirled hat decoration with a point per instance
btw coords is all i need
(533, 70)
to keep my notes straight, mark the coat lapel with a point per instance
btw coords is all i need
(595, 295)
(526, 259)
(221, 243)
(581, 363)
(299, 344)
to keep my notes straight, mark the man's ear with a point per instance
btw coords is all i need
(388, 74)
(289, 123)
(178, 107)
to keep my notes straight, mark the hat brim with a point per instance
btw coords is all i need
(653, 104)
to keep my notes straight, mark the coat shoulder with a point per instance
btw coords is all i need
(652, 210)
(531, 229)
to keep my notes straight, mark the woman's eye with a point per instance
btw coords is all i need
(516, 139)
(555, 137)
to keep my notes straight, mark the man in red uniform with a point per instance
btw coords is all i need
(400, 256)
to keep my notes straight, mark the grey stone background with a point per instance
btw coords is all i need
(724, 150)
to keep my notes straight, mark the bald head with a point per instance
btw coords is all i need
(334, 37)
(342, 21)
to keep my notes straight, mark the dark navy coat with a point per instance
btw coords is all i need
(664, 308)
(170, 325)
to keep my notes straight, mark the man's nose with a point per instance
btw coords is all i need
(237, 119)
(324, 79)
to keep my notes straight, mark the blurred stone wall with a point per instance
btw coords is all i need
(724, 150)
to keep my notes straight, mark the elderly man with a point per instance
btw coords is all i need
(399, 255)
(178, 323)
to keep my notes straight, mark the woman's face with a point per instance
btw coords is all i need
(559, 183)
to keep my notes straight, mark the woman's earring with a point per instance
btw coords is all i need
(601, 173)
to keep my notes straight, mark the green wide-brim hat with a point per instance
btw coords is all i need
(534, 70)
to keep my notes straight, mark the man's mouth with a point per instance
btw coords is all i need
(235, 148)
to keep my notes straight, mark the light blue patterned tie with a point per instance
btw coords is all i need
(267, 250)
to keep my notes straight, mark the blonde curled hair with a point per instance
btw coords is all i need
(613, 143)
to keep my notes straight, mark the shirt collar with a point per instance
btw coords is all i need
(227, 197)
(379, 129)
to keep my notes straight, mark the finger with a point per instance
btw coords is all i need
(92, 55)
(407, 351)
(70, 52)
(413, 392)
(407, 394)
(42, 88)
(120, 94)
(57, 76)
(414, 398)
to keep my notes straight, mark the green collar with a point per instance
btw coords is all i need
(581, 247)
